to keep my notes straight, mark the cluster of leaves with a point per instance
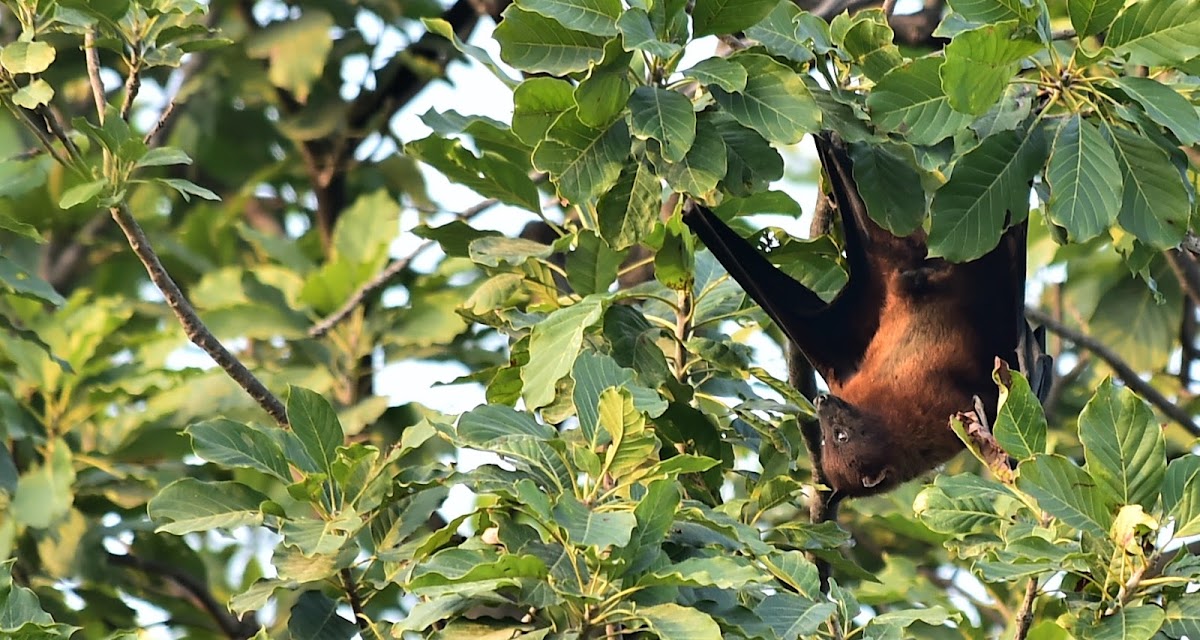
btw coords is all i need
(647, 475)
(1108, 531)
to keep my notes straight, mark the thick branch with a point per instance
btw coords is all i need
(230, 625)
(1122, 369)
(193, 327)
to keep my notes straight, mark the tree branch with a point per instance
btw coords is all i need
(231, 626)
(1024, 616)
(193, 326)
(1122, 369)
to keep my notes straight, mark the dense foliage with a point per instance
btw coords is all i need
(646, 478)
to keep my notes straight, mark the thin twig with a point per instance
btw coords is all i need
(193, 326)
(133, 84)
(1192, 243)
(1122, 369)
(1025, 613)
(231, 626)
(1187, 271)
(92, 57)
(889, 7)
(152, 135)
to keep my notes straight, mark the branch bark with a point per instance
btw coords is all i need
(1122, 369)
(231, 626)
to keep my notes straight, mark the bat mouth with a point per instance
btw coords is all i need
(871, 482)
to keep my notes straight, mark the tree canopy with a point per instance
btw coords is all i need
(215, 236)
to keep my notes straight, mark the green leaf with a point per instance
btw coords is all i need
(775, 102)
(1181, 494)
(1129, 623)
(637, 34)
(1123, 445)
(188, 505)
(187, 188)
(703, 167)
(593, 528)
(721, 72)
(665, 116)
(15, 279)
(553, 346)
(1090, 17)
(34, 94)
(315, 423)
(752, 164)
(631, 447)
(593, 373)
(492, 251)
(896, 200)
(315, 617)
(1085, 182)
(723, 572)
(163, 157)
(597, 17)
(488, 422)
(295, 50)
(603, 94)
(670, 621)
(995, 10)
(910, 101)
(44, 492)
(82, 193)
(961, 504)
(592, 266)
(18, 178)
(654, 513)
(628, 211)
(714, 17)
(478, 54)
(1165, 106)
(990, 185)
(1020, 427)
(1183, 617)
(868, 41)
(1155, 32)
(27, 57)
(583, 161)
(535, 43)
(980, 62)
(792, 616)
(780, 33)
(490, 175)
(1066, 492)
(1132, 322)
(537, 103)
(1154, 203)
(674, 261)
(233, 444)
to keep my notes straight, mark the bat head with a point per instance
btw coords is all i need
(857, 455)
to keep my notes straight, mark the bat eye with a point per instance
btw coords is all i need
(840, 435)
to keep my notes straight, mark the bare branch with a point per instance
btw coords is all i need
(1192, 243)
(231, 626)
(1187, 270)
(1122, 369)
(1025, 613)
(356, 603)
(92, 57)
(193, 327)
(133, 84)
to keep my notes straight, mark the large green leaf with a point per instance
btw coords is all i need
(296, 50)
(702, 168)
(537, 103)
(717, 571)
(488, 422)
(663, 115)
(592, 265)
(315, 617)
(604, 93)
(714, 17)
(1156, 32)
(1123, 445)
(752, 164)
(1154, 202)
(1085, 181)
(1131, 320)
(961, 504)
(671, 621)
(1181, 494)
(1165, 106)
(1090, 17)
(17, 280)
(895, 198)
(583, 161)
(637, 34)
(593, 373)
(910, 101)
(628, 210)
(188, 505)
(532, 42)
(868, 41)
(316, 425)
(792, 616)
(586, 526)
(553, 347)
(233, 444)
(980, 62)
(1138, 622)
(490, 175)
(1020, 427)
(995, 10)
(1067, 492)
(775, 102)
(780, 33)
(44, 492)
(597, 17)
(989, 186)
(654, 513)
(27, 57)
